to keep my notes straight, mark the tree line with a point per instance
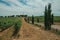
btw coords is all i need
(48, 17)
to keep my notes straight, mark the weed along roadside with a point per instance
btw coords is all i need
(17, 27)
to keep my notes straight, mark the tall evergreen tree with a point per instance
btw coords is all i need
(52, 19)
(46, 23)
(38, 19)
(28, 19)
(32, 19)
(48, 17)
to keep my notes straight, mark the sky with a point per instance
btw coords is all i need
(29, 7)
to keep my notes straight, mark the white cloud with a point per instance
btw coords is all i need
(35, 7)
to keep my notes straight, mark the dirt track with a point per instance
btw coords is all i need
(31, 32)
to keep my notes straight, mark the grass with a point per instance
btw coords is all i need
(41, 18)
(56, 31)
(57, 18)
(7, 22)
(17, 27)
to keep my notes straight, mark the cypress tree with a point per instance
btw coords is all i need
(37, 19)
(25, 18)
(28, 19)
(49, 16)
(0, 23)
(45, 21)
(52, 19)
(32, 19)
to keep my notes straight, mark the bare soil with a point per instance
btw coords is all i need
(32, 32)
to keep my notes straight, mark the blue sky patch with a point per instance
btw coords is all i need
(6, 3)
